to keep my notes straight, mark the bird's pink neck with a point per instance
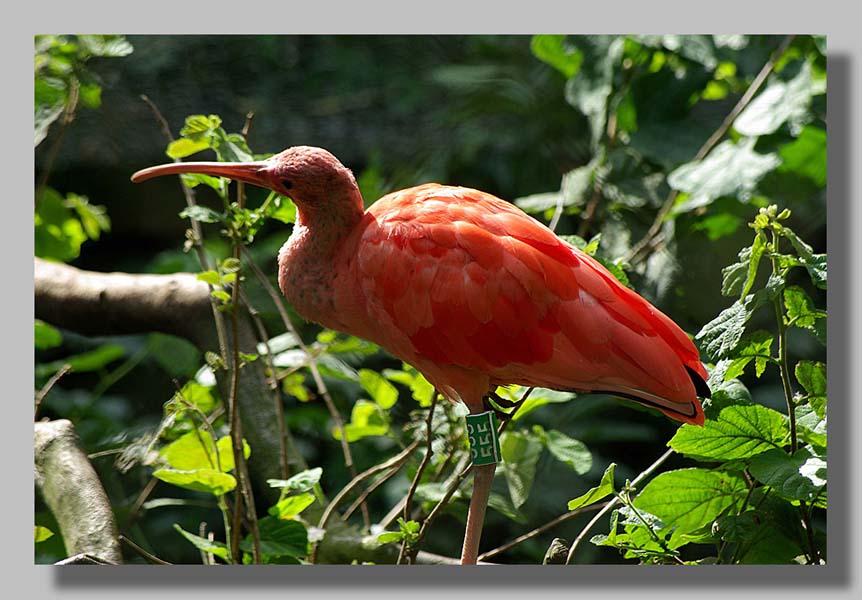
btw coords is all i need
(309, 262)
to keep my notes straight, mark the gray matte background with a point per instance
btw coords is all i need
(838, 19)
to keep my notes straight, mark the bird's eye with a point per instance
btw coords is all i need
(286, 183)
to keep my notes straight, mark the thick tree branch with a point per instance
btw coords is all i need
(121, 303)
(74, 494)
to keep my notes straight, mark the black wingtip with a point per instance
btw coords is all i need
(700, 386)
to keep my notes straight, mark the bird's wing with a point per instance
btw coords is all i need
(472, 281)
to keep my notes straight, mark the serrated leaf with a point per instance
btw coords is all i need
(815, 264)
(688, 499)
(778, 103)
(520, 453)
(756, 347)
(600, 492)
(291, 506)
(203, 544)
(380, 390)
(201, 480)
(800, 308)
(811, 426)
(798, 477)
(569, 451)
(760, 539)
(739, 432)
(721, 336)
(731, 169)
(45, 336)
(812, 376)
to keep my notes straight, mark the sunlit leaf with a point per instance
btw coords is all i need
(291, 506)
(731, 169)
(201, 480)
(812, 376)
(45, 336)
(798, 477)
(778, 103)
(301, 482)
(380, 390)
(600, 492)
(739, 432)
(211, 546)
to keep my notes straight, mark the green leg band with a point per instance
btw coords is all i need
(482, 433)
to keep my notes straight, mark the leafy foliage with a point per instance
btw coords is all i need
(595, 134)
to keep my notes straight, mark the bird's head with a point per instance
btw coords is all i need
(312, 177)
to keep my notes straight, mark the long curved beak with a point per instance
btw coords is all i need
(255, 173)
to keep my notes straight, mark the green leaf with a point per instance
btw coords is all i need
(553, 50)
(184, 147)
(780, 102)
(198, 395)
(798, 477)
(756, 347)
(569, 451)
(279, 537)
(814, 263)
(600, 492)
(202, 214)
(800, 308)
(719, 226)
(291, 506)
(113, 46)
(46, 336)
(812, 376)
(806, 156)
(203, 544)
(211, 277)
(731, 169)
(538, 203)
(189, 452)
(366, 419)
(42, 533)
(739, 432)
(721, 335)
(380, 390)
(301, 482)
(688, 499)
(92, 360)
(177, 356)
(520, 453)
(811, 426)
(201, 480)
(759, 536)
(590, 89)
(285, 210)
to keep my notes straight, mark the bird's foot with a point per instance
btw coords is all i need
(501, 415)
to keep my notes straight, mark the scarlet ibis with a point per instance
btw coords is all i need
(470, 290)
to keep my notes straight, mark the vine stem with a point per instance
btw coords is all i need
(612, 503)
(652, 234)
(782, 352)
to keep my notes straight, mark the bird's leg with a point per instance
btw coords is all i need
(483, 477)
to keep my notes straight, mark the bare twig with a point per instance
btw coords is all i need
(637, 251)
(613, 502)
(540, 530)
(40, 395)
(418, 477)
(147, 555)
